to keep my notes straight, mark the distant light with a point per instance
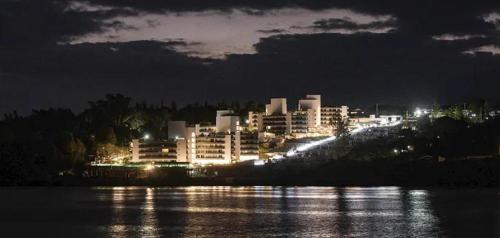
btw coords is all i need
(259, 162)
(146, 136)
(395, 151)
(149, 167)
(418, 112)
(247, 121)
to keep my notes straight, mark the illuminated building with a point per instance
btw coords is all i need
(254, 121)
(213, 148)
(277, 106)
(329, 114)
(276, 124)
(246, 146)
(158, 151)
(224, 143)
(226, 121)
(312, 105)
(298, 123)
(309, 120)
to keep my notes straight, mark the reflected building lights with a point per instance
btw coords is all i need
(118, 227)
(149, 221)
(295, 211)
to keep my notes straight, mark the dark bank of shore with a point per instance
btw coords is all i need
(463, 173)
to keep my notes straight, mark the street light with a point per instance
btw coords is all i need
(418, 112)
(146, 136)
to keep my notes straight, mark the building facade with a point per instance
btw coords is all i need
(330, 114)
(158, 151)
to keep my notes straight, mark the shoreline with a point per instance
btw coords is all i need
(214, 182)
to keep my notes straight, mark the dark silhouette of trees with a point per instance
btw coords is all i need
(51, 142)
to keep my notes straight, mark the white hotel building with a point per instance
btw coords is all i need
(309, 120)
(224, 143)
(229, 142)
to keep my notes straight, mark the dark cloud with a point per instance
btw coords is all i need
(406, 65)
(348, 24)
(273, 31)
(25, 23)
(364, 68)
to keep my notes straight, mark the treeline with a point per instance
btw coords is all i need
(53, 142)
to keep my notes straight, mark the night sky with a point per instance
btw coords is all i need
(56, 53)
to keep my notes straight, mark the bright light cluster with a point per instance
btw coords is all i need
(309, 146)
(313, 144)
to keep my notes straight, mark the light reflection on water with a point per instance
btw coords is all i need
(250, 211)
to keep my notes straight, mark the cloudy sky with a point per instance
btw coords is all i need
(61, 53)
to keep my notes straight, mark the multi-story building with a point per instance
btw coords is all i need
(312, 105)
(158, 151)
(255, 121)
(246, 146)
(373, 120)
(277, 106)
(298, 123)
(213, 148)
(223, 143)
(226, 120)
(330, 114)
(276, 124)
(311, 119)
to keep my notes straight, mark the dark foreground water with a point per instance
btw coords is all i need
(248, 212)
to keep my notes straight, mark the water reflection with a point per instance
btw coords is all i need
(149, 222)
(280, 211)
(117, 228)
(249, 211)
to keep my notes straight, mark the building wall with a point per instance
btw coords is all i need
(277, 106)
(227, 123)
(255, 121)
(154, 151)
(330, 113)
(312, 104)
(298, 122)
(213, 148)
(192, 133)
(182, 150)
(135, 150)
(277, 124)
(246, 146)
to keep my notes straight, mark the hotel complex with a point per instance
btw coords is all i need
(233, 140)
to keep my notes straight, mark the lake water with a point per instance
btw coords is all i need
(248, 212)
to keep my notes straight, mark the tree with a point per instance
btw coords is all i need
(340, 126)
(106, 135)
(436, 111)
(341, 131)
(110, 153)
(454, 112)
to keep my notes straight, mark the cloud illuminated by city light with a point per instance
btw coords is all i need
(452, 37)
(215, 33)
(492, 49)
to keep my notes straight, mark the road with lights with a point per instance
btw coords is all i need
(313, 144)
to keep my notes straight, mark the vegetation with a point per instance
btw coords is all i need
(445, 149)
(445, 152)
(54, 142)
